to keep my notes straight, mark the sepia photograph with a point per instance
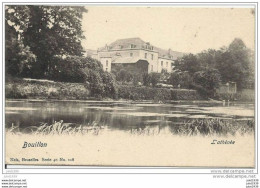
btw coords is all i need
(129, 86)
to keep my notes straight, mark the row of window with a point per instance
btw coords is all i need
(149, 47)
(145, 55)
(162, 64)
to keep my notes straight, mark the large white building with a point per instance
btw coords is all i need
(133, 51)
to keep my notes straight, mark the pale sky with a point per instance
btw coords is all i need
(181, 29)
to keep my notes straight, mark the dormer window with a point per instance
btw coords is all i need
(133, 46)
(131, 54)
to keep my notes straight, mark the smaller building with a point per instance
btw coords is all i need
(106, 63)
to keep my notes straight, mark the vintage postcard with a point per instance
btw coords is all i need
(143, 86)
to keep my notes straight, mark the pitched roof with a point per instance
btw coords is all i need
(166, 53)
(126, 43)
(140, 44)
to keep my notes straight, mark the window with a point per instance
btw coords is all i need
(107, 63)
(151, 67)
(133, 46)
(152, 56)
(162, 63)
(145, 55)
(166, 64)
(106, 69)
(131, 54)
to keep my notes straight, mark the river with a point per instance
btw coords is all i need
(121, 115)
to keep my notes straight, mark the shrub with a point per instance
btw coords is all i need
(184, 94)
(157, 94)
(146, 79)
(182, 78)
(154, 78)
(209, 79)
(110, 87)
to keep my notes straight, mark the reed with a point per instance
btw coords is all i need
(59, 128)
(210, 127)
(196, 127)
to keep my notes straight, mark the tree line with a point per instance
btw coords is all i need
(45, 42)
(205, 71)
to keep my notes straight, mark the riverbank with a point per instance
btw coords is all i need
(32, 89)
(38, 89)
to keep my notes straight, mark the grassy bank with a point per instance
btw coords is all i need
(35, 89)
(16, 89)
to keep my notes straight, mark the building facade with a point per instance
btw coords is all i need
(133, 50)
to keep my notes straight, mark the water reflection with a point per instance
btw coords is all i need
(120, 115)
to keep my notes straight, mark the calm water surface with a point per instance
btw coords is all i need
(121, 115)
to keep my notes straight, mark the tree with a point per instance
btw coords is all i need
(188, 63)
(69, 69)
(174, 79)
(48, 31)
(233, 64)
(146, 79)
(154, 78)
(18, 58)
(209, 79)
(110, 87)
(207, 58)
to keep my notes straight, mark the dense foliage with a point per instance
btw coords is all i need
(45, 42)
(206, 70)
(37, 35)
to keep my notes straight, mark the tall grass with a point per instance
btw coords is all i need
(210, 127)
(59, 128)
(196, 127)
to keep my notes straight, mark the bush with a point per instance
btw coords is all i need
(12, 91)
(184, 94)
(157, 94)
(154, 78)
(110, 87)
(209, 79)
(181, 78)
